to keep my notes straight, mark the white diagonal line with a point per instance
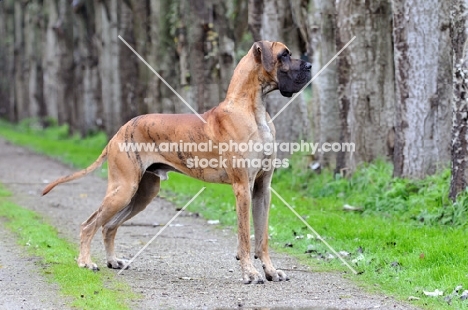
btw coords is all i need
(317, 74)
(164, 81)
(161, 230)
(313, 230)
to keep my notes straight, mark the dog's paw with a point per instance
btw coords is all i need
(252, 277)
(91, 266)
(275, 275)
(117, 264)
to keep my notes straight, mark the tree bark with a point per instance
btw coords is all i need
(293, 123)
(117, 64)
(141, 14)
(128, 64)
(21, 64)
(183, 49)
(459, 140)
(325, 109)
(255, 18)
(162, 56)
(7, 87)
(106, 34)
(58, 61)
(226, 58)
(87, 87)
(366, 82)
(421, 70)
(197, 12)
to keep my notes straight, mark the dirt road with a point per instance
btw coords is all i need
(191, 265)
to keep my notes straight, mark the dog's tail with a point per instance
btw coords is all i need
(78, 174)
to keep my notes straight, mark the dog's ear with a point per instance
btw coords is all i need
(263, 55)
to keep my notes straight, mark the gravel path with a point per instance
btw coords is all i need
(21, 286)
(190, 266)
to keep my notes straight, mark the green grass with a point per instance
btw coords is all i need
(409, 237)
(55, 142)
(85, 289)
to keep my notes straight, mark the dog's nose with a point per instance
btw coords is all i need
(308, 66)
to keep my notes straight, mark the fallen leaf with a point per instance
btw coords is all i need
(358, 259)
(464, 295)
(176, 225)
(315, 166)
(458, 289)
(352, 208)
(435, 293)
(344, 253)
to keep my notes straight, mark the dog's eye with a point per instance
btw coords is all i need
(285, 55)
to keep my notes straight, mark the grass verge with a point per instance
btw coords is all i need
(408, 237)
(87, 290)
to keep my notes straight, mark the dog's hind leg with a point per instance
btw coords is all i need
(147, 190)
(120, 190)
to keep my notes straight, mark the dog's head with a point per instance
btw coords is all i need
(287, 74)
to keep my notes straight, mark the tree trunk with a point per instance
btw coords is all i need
(366, 82)
(325, 109)
(459, 145)
(206, 54)
(141, 12)
(226, 51)
(118, 64)
(184, 25)
(162, 57)
(21, 63)
(255, 18)
(58, 61)
(198, 15)
(128, 64)
(421, 47)
(34, 37)
(107, 36)
(87, 86)
(7, 94)
(292, 124)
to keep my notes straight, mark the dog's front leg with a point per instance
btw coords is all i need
(261, 206)
(243, 198)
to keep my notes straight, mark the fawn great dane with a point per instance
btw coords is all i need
(134, 176)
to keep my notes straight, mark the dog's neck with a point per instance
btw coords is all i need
(250, 98)
(249, 72)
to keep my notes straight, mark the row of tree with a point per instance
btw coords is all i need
(394, 92)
